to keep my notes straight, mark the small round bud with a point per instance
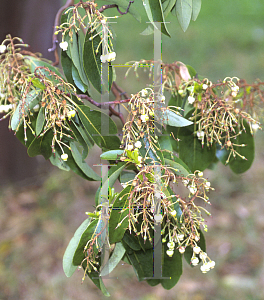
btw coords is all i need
(181, 249)
(195, 261)
(171, 245)
(191, 99)
(2, 48)
(173, 213)
(64, 156)
(211, 264)
(180, 237)
(138, 144)
(203, 255)
(196, 249)
(170, 252)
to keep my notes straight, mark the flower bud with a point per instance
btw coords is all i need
(64, 156)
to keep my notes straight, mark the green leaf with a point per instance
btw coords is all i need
(111, 154)
(83, 136)
(91, 120)
(237, 164)
(136, 242)
(78, 72)
(85, 236)
(20, 133)
(68, 266)
(34, 62)
(167, 6)
(118, 215)
(114, 259)
(127, 176)
(92, 62)
(31, 100)
(77, 80)
(141, 260)
(124, 4)
(41, 145)
(165, 145)
(192, 71)
(58, 162)
(97, 280)
(196, 7)
(132, 241)
(71, 163)
(191, 151)
(173, 119)
(154, 153)
(155, 14)
(87, 170)
(189, 251)
(40, 121)
(178, 164)
(184, 13)
(171, 268)
(67, 65)
(36, 82)
(110, 179)
(79, 137)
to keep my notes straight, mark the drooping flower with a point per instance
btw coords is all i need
(2, 48)
(181, 249)
(111, 56)
(196, 249)
(144, 118)
(171, 245)
(169, 252)
(64, 46)
(64, 156)
(195, 261)
(191, 99)
(138, 144)
(71, 114)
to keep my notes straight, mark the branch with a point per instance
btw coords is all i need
(108, 105)
(54, 37)
(104, 7)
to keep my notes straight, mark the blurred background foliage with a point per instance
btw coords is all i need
(37, 220)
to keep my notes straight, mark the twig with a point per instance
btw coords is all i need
(54, 36)
(104, 7)
(108, 105)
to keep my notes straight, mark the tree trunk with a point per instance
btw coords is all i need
(31, 20)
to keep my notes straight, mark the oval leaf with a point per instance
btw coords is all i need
(155, 14)
(92, 63)
(173, 119)
(87, 170)
(68, 266)
(184, 13)
(111, 154)
(115, 258)
(196, 7)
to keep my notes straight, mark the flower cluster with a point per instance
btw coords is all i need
(218, 118)
(140, 126)
(58, 107)
(93, 22)
(181, 218)
(14, 74)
